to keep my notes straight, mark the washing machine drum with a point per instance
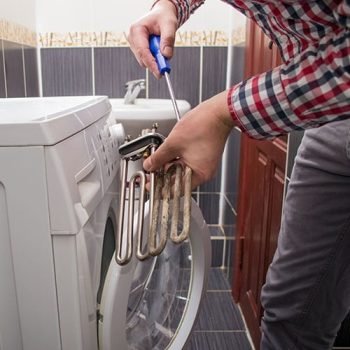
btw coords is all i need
(152, 305)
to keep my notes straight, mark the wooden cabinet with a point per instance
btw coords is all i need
(262, 173)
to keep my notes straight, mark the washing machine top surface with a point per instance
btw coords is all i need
(47, 120)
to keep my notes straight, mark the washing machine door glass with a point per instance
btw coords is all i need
(158, 298)
(153, 304)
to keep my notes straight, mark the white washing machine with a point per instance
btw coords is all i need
(59, 197)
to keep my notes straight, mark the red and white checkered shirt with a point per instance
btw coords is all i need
(312, 87)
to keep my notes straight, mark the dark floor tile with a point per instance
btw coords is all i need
(209, 204)
(232, 199)
(228, 272)
(218, 341)
(229, 230)
(219, 313)
(217, 280)
(216, 231)
(232, 169)
(230, 252)
(229, 215)
(217, 251)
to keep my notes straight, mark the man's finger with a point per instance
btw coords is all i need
(162, 156)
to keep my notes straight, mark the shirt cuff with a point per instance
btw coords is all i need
(260, 108)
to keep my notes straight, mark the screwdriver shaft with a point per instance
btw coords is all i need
(172, 96)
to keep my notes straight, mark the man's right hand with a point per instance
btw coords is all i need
(161, 20)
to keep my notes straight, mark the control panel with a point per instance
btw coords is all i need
(109, 135)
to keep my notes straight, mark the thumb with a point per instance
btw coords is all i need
(167, 40)
(159, 158)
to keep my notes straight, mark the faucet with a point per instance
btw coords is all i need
(133, 88)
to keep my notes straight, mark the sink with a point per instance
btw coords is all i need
(144, 112)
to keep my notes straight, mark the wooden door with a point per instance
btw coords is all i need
(262, 172)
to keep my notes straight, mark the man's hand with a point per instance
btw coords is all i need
(197, 140)
(161, 20)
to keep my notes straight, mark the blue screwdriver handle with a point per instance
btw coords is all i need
(162, 62)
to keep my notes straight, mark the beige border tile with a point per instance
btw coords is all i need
(114, 39)
(17, 33)
(82, 39)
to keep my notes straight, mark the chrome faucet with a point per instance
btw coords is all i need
(133, 88)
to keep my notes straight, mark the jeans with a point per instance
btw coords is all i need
(307, 290)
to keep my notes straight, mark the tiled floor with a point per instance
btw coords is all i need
(219, 325)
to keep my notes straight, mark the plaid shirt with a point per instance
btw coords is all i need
(312, 87)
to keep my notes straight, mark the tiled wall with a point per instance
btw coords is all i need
(18, 70)
(218, 201)
(198, 72)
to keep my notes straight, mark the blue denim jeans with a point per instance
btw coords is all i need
(307, 290)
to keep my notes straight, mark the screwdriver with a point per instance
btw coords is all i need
(164, 69)
(186, 183)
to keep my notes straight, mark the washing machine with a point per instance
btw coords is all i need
(59, 201)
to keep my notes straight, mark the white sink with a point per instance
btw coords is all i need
(144, 112)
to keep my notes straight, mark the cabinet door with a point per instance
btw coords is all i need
(262, 173)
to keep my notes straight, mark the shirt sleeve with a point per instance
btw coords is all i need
(310, 90)
(184, 8)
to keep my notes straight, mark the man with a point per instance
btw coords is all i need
(307, 290)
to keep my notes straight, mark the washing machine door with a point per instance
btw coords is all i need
(152, 305)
